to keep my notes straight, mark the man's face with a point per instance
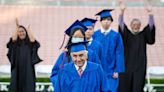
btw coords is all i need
(106, 22)
(89, 32)
(79, 58)
(135, 25)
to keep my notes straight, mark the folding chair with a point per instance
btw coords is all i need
(44, 70)
(5, 70)
(154, 72)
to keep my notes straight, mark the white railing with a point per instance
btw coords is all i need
(40, 86)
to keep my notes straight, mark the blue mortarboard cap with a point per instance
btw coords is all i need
(76, 24)
(88, 21)
(75, 47)
(78, 47)
(105, 13)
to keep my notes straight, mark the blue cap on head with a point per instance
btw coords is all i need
(76, 24)
(105, 13)
(88, 21)
(76, 47)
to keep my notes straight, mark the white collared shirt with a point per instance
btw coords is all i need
(90, 41)
(83, 67)
(106, 31)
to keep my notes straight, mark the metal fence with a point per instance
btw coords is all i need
(80, 2)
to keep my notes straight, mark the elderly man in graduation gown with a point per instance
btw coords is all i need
(76, 32)
(81, 75)
(135, 42)
(112, 60)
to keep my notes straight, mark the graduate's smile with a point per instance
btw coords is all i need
(79, 58)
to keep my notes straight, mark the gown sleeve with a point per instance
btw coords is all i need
(93, 57)
(120, 66)
(150, 31)
(11, 52)
(35, 58)
(104, 86)
(123, 29)
(100, 52)
(124, 32)
(57, 87)
(56, 68)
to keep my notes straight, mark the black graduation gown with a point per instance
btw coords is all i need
(135, 58)
(22, 58)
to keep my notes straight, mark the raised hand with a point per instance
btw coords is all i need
(17, 24)
(16, 21)
(115, 75)
(28, 28)
(31, 37)
(15, 33)
(122, 5)
(148, 6)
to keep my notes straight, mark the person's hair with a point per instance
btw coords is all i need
(86, 53)
(106, 18)
(70, 42)
(135, 19)
(72, 33)
(26, 40)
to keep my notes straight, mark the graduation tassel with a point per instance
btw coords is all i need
(62, 42)
(62, 64)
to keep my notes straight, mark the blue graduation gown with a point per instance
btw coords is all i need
(113, 55)
(93, 79)
(63, 59)
(93, 57)
(97, 48)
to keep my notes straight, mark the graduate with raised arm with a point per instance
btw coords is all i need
(81, 75)
(76, 33)
(22, 54)
(93, 44)
(135, 41)
(113, 55)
